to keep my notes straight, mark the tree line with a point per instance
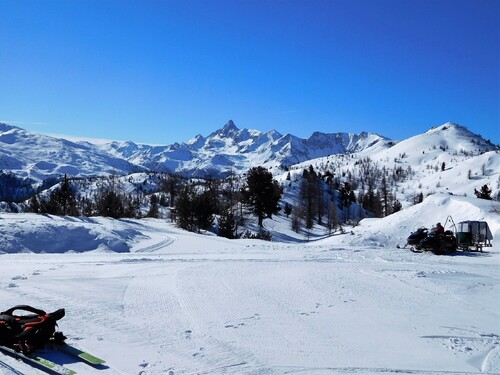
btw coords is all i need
(194, 205)
(320, 195)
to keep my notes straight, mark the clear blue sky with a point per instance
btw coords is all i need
(164, 71)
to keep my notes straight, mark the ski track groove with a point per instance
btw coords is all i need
(140, 300)
(10, 370)
(197, 302)
(87, 308)
(156, 246)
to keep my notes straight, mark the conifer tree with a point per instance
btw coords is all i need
(483, 193)
(227, 224)
(154, 210)
(193, 211)
(310, 195)
(34, 204)
(184, 215)
(262, 193)
(62, 200)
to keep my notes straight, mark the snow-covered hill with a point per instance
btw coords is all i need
(448, 159)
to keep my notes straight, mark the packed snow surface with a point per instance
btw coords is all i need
(153, 299)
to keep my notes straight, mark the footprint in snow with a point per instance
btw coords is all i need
(199, 353)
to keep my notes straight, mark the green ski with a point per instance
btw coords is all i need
(39, 362)
(83, 355)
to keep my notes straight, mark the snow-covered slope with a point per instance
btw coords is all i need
(38, 156)
(446, 209)
(447, 159)
(445, 143)
(152, 299)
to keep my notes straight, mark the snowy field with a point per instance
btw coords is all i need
(152, 299)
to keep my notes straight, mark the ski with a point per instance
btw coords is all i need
(80, 354)
(39, 362)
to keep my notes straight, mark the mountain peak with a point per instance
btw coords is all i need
(230, 126)
(229, 130)
(6, 127)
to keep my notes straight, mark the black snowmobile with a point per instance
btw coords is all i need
(432, 240)
(439, 243)
(416, 237)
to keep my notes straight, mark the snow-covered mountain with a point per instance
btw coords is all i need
(236, 150)
(445, 159)
(224, 151)
(38, 156)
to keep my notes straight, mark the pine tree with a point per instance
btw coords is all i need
(154, 210)
(297, 218)
(346, 198)
(227, 224)
(171, 185)
(204, 210)
(288, 209)
(62, 201)
(194, 211)
(332, 217)
(310, 193)
(396, 206)
(34, 204)
(483, 193)
(262, 193)
(110, 204)
(67, 198)
(420, 197)
(386, 197)
(184, 213)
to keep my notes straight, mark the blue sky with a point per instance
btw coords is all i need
(164, 71)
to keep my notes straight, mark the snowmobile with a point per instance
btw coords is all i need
(416, 237)
(433, 240)
(439, 243)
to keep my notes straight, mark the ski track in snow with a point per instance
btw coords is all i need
(190, 314)
(6, 369)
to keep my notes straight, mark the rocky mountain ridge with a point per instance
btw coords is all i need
(224, 151)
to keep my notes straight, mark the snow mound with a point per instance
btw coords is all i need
(446, 209)
(51, 234)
